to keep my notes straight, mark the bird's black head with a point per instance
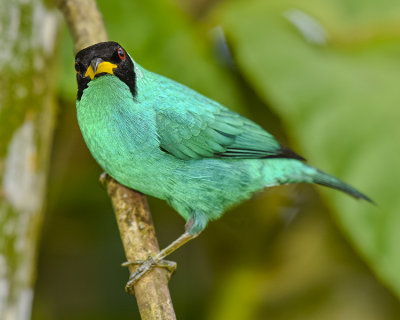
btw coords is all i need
(104, 58)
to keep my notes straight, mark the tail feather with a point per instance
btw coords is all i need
(285, 171)
(327, 180)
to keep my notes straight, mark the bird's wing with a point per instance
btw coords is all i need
(196, 127)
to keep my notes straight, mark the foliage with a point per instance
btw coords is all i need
(337, 93)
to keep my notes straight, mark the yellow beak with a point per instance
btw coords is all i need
(98, 66)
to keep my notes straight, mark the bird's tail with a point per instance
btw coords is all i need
(327, 180)
(294, 171)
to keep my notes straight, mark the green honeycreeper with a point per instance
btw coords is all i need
(164, 139)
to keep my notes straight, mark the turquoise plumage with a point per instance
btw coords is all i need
(157, 136)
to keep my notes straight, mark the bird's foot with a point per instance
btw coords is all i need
(144, 266)
(104, 178)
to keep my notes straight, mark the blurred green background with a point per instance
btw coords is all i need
(322, 76)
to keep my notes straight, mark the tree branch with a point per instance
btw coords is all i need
(139, 239)
(131, 209)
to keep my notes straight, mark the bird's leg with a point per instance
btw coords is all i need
(184, 238)
(144, 267)
(157, 261)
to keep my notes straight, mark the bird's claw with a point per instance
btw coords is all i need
(144, 266)
(104, 178)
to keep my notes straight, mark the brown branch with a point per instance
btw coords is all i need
(84, 21)
(131, 209)
(138, 236)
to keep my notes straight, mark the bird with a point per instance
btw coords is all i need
(162, 138)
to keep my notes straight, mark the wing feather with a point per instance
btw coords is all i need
(194, 127)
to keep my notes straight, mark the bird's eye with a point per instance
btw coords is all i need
(121, 53)
(77, 69)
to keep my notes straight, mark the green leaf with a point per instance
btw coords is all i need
(331, 70)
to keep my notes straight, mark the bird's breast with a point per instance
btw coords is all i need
(120, 134)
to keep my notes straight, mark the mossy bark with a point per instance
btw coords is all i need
(28, 32)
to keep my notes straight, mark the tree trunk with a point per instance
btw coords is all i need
(28, 32)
